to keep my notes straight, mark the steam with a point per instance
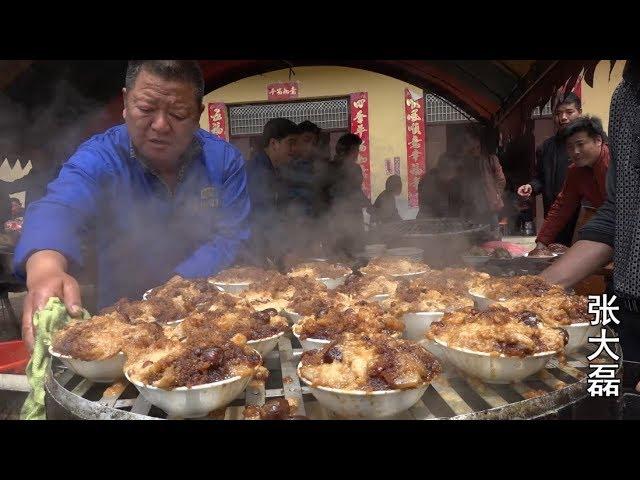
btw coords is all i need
(55, 127)
(13, 121)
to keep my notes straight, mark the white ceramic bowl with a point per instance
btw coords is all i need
(231, 287)
(494, 369)
(317, 343)
(175, 322)
(293, 317)
(262, 345)
(308, 343)
(332, 283)
(198, 401)
(99, 371)
(417, 323)
(265, 345)
(480, 302)
(435, 349)
(360, 404)
(579, 334)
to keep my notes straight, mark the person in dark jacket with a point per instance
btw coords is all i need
(268, 191)
(440, 190)
(343, 187)
(299, 174)
(552, 162)
(6, 189)
(385, 209)
(482, 178)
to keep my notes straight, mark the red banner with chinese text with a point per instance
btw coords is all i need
(416, 138)
(218, 120)
(359, 110)
(282, 91)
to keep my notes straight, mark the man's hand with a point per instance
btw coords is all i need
(46, 278)
(525, 191)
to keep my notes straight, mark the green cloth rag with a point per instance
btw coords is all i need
(45, 322)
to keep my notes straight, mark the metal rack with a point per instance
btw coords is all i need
(450, 396)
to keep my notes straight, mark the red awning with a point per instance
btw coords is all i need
(497, 92)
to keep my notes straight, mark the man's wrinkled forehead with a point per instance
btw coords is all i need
(152, 87)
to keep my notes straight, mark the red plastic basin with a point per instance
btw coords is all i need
(13, 357)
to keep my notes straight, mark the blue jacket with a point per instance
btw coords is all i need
(301, 184)
(144, 233)
(268, 193)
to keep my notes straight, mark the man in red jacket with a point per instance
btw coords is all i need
(586, 145)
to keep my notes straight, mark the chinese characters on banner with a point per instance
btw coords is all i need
(602, 378)
(218, 120)
(416, 137)
(282, 91)
(359, 109)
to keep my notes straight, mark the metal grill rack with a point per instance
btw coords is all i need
(450, 396)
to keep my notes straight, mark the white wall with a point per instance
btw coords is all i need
(9, 174)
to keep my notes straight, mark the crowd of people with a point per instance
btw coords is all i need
(180, 200)
(303, 201)
(568, 172)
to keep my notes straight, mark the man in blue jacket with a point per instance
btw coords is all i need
(163, 197)
(272, 214)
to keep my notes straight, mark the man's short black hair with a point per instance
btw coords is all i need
(278, 128)
(181, 70)
(346, 143)
(568, 99)
(591, 125)
(308, 126)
